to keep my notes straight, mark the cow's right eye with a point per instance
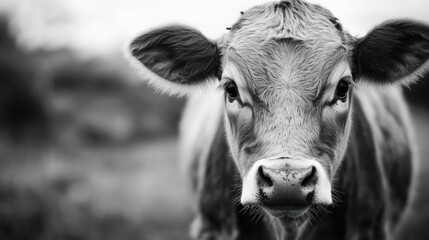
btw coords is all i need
(231, 90)
(342, 90)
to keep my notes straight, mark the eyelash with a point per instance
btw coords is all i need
(222, 84)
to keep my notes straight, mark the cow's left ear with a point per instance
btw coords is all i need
(175, 59)
(395, 52)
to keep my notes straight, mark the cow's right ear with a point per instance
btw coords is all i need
(395, 52)
(175, 59)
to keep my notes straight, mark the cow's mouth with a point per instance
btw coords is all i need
(286, 210)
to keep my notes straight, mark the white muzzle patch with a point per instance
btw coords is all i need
(251, 189)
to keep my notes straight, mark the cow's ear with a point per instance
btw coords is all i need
(394, 52)
(175, 59)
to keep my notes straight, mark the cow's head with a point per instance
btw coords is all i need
(288, 71)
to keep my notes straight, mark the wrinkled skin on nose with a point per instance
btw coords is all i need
(293, 185)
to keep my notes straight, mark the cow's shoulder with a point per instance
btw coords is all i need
(388, 115)
(387, 119)
(200, 121)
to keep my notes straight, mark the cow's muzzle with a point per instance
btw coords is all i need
(286, 186)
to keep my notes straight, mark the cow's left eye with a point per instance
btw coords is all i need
(231, 90)
(342, 90)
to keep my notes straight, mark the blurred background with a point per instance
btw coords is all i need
(83, 141)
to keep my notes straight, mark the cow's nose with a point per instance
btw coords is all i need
(287, 186)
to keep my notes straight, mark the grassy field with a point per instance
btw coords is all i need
(134, 191)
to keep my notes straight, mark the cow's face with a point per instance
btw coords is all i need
(288, 72)
(287, 121)
(288, 90)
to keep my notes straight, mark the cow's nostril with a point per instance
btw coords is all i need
(264, 177)
(310, 179)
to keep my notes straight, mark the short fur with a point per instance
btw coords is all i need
(372, 185)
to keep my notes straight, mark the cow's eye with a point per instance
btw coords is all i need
(231, 90)
(342, 90)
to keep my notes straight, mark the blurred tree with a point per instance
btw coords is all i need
(22, 110)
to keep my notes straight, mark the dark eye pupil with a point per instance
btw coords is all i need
(231, 90)
(342, 89)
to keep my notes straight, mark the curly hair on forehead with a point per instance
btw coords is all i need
(287, 19)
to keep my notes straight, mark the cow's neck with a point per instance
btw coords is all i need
(361, 180)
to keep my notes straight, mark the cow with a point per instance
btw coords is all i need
(292, 120)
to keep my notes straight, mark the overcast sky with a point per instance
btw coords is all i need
(102, 26)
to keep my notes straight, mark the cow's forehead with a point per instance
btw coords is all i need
(287, 19)
(287, 43)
